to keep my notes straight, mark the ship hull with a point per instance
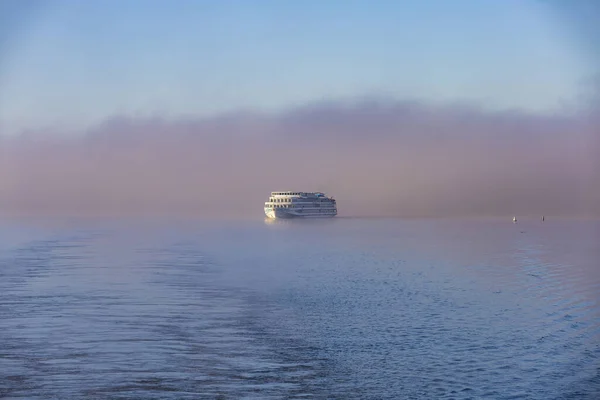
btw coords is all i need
(281, 213)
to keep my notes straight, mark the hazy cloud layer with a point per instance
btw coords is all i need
(376, 157)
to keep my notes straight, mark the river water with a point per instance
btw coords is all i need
(325, 309)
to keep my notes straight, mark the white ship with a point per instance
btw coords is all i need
(300, 205)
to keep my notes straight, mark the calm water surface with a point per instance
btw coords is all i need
(328, 309)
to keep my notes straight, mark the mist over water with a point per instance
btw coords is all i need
(343, 308)
(377, 157)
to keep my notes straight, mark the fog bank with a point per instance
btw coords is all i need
(377, 157)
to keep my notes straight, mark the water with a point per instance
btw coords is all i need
(335, 309)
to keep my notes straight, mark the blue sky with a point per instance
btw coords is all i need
(75, 63)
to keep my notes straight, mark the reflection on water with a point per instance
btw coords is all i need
(313, 221)
(339, 308)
